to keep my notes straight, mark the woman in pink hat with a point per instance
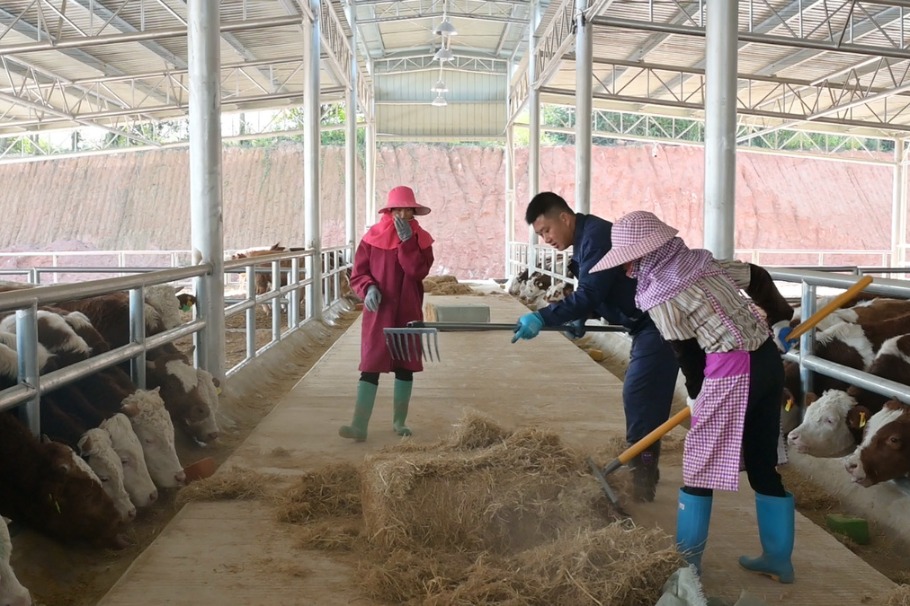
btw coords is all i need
(392, 260)
(734, 376)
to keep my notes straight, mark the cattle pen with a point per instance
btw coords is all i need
(236, 551)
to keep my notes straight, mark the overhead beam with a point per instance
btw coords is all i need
(149, 34)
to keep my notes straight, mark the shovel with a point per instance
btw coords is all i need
(659, 432)
(420, 339)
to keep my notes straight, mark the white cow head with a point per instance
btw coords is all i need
(826, 428)
(95, 445)
(136, 478)
(153, 426)
(207, 429)
(163, 298)
(12, 593)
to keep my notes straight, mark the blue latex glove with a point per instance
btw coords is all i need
(575, 329)
(528, 326)
(781, 331)
(373, 298)
(404, 229)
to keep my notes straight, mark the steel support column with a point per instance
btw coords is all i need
(207, 220)
(899, 204)
(350, 145)
(533, 125)
(584, 70)
(370, 171)
(509, 162)
(311, 136)
(720, 127)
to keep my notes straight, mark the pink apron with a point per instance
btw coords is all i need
(711, 456)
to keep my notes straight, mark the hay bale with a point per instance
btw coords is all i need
(496, 498)
(331, 490)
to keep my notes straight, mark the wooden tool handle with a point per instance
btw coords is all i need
(837, 302)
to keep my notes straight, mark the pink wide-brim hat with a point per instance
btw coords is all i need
(635, 235)
(403, 197)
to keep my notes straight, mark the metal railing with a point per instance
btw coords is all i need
(544, 259)
(286, 267)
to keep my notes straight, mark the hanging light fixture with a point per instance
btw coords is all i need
(445, 27)
(444, 54)
(439, 101)
(440, 86)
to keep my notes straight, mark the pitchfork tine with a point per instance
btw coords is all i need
(407, 347)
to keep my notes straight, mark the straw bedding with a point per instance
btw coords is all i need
(485, 516)
(445, 285)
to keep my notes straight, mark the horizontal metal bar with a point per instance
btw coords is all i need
(58, 378)
(881, 286)
(147, 35)
(864, 380)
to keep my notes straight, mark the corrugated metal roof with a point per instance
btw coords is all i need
(112, 63)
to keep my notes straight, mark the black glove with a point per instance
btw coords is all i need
(403, 228)
(575, 329)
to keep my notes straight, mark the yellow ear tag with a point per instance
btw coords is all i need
(862, 419)
(788, 405)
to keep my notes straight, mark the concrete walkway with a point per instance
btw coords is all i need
(235, 553)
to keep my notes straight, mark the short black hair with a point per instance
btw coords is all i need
(546, 203)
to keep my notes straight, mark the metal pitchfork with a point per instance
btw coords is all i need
(420, 339)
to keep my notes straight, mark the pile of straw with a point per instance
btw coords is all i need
(236, 483)
(445, 285)
(485, 516)
(899, 596)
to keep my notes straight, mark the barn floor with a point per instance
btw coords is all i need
(234, 552)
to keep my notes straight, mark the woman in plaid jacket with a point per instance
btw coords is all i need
(734, 375)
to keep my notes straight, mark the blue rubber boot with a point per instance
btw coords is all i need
(363, 408)
(776, 525)
(692, 520)
(401, 397)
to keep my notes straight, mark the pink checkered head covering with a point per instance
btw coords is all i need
(665, 265)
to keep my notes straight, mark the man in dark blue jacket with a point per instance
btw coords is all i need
(650, 380)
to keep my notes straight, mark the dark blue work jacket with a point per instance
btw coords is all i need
(608, 294)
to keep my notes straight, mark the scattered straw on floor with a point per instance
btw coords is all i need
(235, 483)
(808, 495)
(485, 516)
(333, 489)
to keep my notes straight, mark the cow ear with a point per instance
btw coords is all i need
(810, 397)
(858, 417)
(85, 445)
(130, 409)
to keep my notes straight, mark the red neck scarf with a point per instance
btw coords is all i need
(384, 235)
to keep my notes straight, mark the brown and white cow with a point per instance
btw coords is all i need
(833, 424)
(12, 593)
(41, 487)
(184, 391)
(884, 453)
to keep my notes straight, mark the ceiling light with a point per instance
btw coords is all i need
(445, 28)
(444, 54)
(440, 87)
(439, 101)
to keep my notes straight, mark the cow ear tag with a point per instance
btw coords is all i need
(788, 405)
(184, 308)
(862, 419)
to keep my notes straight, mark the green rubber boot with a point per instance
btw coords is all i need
(363, 408)
(401, 397)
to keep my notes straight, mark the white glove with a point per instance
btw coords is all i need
(373, 298)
